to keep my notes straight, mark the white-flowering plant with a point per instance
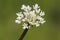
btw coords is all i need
(30, 16)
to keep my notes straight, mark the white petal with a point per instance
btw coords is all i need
(37, 25)
(23, 20)
(32, 14)
(25, 24)
(32, 23)
(18, 14)
(17, 21)
(26, 14)
(24, 27)
(23, 7)
(38, 17)
(37, 11)
(43, 22)
(41, 19)
(28, 7)
(18, 18)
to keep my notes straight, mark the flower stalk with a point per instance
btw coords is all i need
(24, 33)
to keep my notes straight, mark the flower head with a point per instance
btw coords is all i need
(30, 16)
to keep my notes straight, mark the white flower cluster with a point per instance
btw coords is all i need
(30, 15)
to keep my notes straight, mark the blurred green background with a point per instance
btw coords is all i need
(9, 30)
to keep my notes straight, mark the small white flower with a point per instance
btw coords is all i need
(19, 14)
(29, 8)
(24, 7)
(35, 6)
(42, 13)
(25, 26)
(30, 16)
(42, 20)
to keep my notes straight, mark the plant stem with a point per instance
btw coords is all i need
(23, 34)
